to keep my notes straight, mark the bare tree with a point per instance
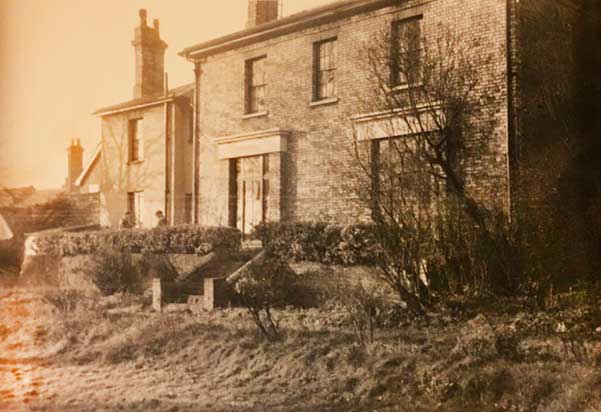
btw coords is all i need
(430, 109)
(436, 95)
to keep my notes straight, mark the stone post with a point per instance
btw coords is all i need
(157, 294)
(215, 293)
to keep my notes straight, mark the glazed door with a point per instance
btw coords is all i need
(249, 193)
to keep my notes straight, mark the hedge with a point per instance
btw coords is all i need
(320, 242)
(184, 239)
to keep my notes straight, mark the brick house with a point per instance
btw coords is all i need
(143, 163)
(263, 132)
(271, 102)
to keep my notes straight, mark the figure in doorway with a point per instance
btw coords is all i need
(127, 221)
(161, 220)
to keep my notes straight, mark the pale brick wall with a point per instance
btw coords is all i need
(147, 175)
(313, 168)
(118, 177)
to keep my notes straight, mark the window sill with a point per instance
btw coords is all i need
(253, 115)
(324, 102)
(135, 162)
(407, 86)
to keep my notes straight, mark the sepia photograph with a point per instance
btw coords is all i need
(300, 205)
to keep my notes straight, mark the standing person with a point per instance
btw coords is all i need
(126, 221)
(161, 220)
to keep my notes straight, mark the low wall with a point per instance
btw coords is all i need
(68, 271)
(319, 282)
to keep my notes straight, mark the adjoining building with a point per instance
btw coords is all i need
(143, 163)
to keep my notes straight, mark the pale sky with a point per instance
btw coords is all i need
(62, 59)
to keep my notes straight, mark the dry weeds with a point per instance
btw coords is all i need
(84, 353)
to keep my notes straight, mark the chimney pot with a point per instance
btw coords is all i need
(156, 25)
(142, 14)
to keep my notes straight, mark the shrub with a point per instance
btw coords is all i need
(156, 265)
(466, 259)
(320, 242)
(66, 300)
(113, 272)
(185, 239)
(363, 307)
(265, 285)
(445, 251)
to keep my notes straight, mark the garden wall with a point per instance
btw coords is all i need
(319, 282)
(68, 271)
(60, 258)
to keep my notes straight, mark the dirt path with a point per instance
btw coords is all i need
(21, 372)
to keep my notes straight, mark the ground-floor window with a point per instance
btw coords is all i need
(135, 205)
(402, 179)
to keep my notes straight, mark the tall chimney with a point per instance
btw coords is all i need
(75, 160)
(262, 11)
(150, 58)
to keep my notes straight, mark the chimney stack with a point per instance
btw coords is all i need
(75, 163)
(262, 11)
(150, 58)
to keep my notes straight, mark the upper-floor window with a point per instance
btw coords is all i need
(255, 85)
(324, 63)
(135, 142)
(406, 52)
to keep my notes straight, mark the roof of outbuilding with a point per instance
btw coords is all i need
(85, 173)
(146, 101)
(294, 22)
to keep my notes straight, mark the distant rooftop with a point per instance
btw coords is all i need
(26, 196)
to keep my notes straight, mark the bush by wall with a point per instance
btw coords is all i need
(184, 239)
(320, 242)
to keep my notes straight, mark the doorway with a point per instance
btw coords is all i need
(250, 193)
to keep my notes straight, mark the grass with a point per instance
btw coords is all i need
(114, 353)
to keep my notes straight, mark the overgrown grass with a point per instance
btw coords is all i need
(457, 364)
